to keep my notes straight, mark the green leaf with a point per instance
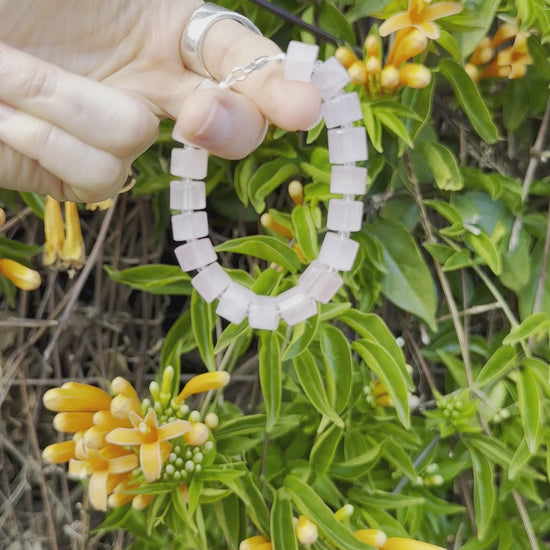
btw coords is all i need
(408, 282)
(18, 251)
(529, 407)
(202, 324)
(520, 458)
(497, 366)
(540, 56)
(267, 178)
(385, 500)
(515, 104)
(241, 177)
(373, 127)
(180, 339)
(484, 492)
(282, 527)
(154, 278)
(312, 506)
(324, 449)
(242, 425)
(312, 384)
(537, 323)
(486, 249)
(394, 125)
(470, 100)
(305, 231)
(443, 165)
(263, 247)
(270, 376)
(394, 453)
(332, 19)
(246, 488)
(35, 202)
(302, 335)
(379, 361)
(356, 467)
(337, 356)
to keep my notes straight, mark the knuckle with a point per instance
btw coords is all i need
(136, 130)
(38, 83)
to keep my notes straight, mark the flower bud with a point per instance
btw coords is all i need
(483, 52)
(140, 502)
(59, 452)
(306, 531)
(21, 276)
(372, 46)
(374, 537)
(373, 65)
(72, 422)
(398, 543)
(345, 56)
(344, 513)
(2, 217)
(504, 32)
(211, 420)
(412, 43)
(414, 75)
(358, 72)
(255, 543)
(197, 435)
(389, 77)
(203, 383)
(269, 222)
(296, 192)
(74, 396)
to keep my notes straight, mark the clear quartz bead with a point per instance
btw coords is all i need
(318, 282)
(348, 180)
(189, 162)
(330, 78)
(344, 215)
(263, 313)
(187, 195)
(211, 282)
(299, 60)
(347, 145)
(234, 303)
(195, 254)
(342, 109)
(189, 225)
(296, 306)
(338, 252)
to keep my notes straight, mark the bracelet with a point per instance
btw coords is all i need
(347, 145)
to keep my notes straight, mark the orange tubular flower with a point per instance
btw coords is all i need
(59, 452)
(358, 72)
(398, 543)
(345, 56)
(72, 251)
(2, 217)
(203, 383)
(105, 469)
(53, 231)
(22, 277)
(77, 397)
(269, 222)
(407, 44)
(414, 75)
(126, 398)
(151, 440)
(420, 14)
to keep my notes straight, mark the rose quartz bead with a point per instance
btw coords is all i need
(296, 306)
(190, 163)
(189, 225)
(234, 303)
(342, 109)
(348, 180)
(330, 78)
(211, 282)
(187, 195)
(347, 145)
(344, 215)
(299, 60)
(263, 313)
(318, 282)
(338, 252)
(195, 254)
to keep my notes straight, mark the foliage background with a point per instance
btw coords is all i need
(454, 258)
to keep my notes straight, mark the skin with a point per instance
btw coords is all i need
(83, 85)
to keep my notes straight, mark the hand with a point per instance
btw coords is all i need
(83, 85)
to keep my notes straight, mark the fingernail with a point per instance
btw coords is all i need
(6, 111)
(217, 125)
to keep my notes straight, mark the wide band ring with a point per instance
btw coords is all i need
(196, 28)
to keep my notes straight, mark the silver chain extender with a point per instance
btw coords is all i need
(238, 74)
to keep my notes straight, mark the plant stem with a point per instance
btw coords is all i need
(525, 520)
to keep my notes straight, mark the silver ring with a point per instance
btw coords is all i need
(199, 23)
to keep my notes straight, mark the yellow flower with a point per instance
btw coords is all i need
(372, 46)
(258, 542)
(72, 252)
(53, 231)
(269, 222)
(2, 217)
(374, 537)
(74, 396)
(296, 192)
(398, 543)
(126, 398)
(408, 43)
(106, 468)
(197, 435)
(420, 14)
(59, 452)
(74, 421)
(203, 383)
(414, 75)
(151, 438)
(389, 77)
(22, 277)
(345, 56)
(306, 531)
(358, 72)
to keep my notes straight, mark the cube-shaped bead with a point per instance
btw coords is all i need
(344, 215)
(296, 306)
(347, 145)
(330, 78)
(189, 225)
(348, 180)
(342, 109)
(234, 303)
(195, 254)
(189, 162)
(299, 60)
(338, 252)
(211, 281)
(263, 313)
(319, 282)
(187, 195)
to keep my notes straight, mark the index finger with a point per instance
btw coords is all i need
(291, 105)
